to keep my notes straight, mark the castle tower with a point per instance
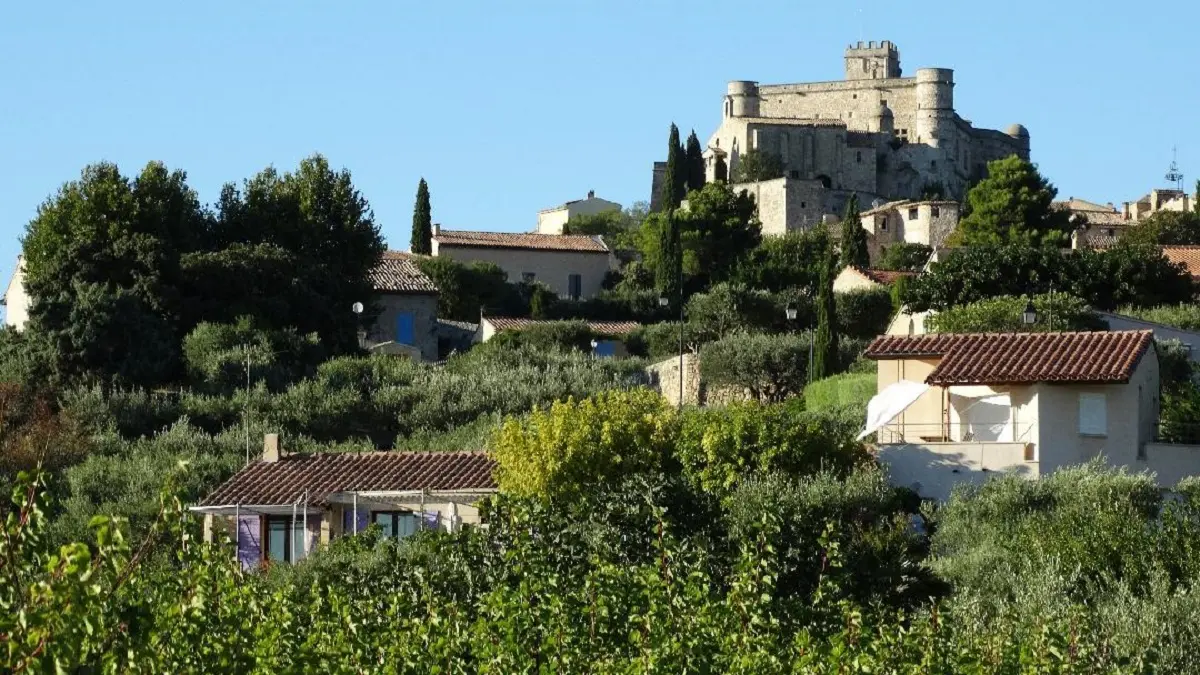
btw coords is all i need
(935, 108)
(872, 61)
(742, 99)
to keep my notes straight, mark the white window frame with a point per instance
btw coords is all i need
(1093, 414)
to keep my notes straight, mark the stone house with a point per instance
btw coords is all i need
(283, 506)
(1162, 199)
(786, 205)
(551, 221)
(1096, 225)
(857, 279)
(955, 408)
(573, 266)
(408, 302)
(609, 334)
(928, 222)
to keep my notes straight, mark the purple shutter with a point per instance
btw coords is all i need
(364, 519)
(248, 543)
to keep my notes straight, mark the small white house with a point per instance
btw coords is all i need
(955, 408)
(552, 221)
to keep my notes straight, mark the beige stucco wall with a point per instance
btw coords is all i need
(551, 221)
(1171, 463)
(549, 267)
(16, 300)
(424, 308)
(934, 469)
(909, 323)
(850, 280)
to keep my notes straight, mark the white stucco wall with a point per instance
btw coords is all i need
(552, 268)
(16, 300)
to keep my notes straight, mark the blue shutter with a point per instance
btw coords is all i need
(405, 332)
(606, 348)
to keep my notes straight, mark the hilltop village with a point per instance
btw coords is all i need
(853, 383)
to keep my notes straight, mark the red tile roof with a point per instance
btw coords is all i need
(1020, 358)
(397, 272)
(1189, 256)
(886, 277)
(503, 323)
(537, 242)
(283, 482)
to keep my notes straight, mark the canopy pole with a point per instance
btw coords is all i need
(291, 535)
(237, 531)
(354, 515)
(305, 535)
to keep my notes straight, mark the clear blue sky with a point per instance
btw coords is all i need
(510, 107)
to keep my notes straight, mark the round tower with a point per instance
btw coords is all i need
(886, 123)
(1020, 134)
(935, 105)
(742, 99)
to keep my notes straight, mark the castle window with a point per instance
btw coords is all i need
(883, 225)
(912, 213)
(855, 97)
(935, 211)
(804, 205)
(883, 102)
(933, 164)
(794, 173)
(858, 156)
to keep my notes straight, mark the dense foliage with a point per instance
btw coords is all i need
(1123, 275)
(1058, 312)
(757, 165)
(1013, 205)
(421, 239)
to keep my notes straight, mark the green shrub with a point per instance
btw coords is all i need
(575, 335)
(1003, 315)
(847, 389)
(1183, 316)
(719, 446)
(904, 257)
(769, 367)
(217, 355)
(865, 313)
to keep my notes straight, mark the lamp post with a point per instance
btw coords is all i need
(1029, 316)
(595, 344)
(357, 308)
(664, 301)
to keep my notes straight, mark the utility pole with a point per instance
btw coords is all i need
(246, 405)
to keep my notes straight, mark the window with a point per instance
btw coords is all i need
(883, 225)
(574, 286)
(794, 173)
(883, 102)
(912, 213)
(933, 164)
(284, 539)
(804, 205)
(935, 211)
(858, 156)
(1110, 232)
(1093, 415)
(855, 96)
(528, 277)
(397, 524)
(405, 328)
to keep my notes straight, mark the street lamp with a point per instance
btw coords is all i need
(1029, 316)
(790, 312)
(357, 308)
(664, 301)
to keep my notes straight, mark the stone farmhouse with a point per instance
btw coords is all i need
(956, 408)
(927, 222)
(876, 133)
(408, 302)
(573, 266)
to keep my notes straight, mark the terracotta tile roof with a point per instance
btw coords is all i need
(503, 323)
(1188, 256)
(398, 273)
(537, 242)
(886, 277)
(283, 482)
(905, 203)
(1020, 358)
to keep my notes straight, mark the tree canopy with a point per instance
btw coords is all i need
(853, 242)
(756, 165)
(1013, 206)
(421, 241)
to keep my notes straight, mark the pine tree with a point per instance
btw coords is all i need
(695, 163)
(854, 237)
(825, 342)
(422, 228)
(674, 181)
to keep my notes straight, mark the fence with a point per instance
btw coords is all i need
(957, 432)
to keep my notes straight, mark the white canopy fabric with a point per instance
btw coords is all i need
(982, 416)
(887, 404)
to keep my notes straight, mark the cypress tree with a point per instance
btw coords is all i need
(825, 342)
(695, 163)
(668, 269)
(421, 241)
(854, 237)
(675, 179)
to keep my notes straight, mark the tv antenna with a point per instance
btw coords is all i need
(1173, 174)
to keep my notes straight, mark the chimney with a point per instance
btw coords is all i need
(436, 229)
(271, 448)
(591, 194)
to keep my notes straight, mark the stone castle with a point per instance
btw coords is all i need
(877, 133)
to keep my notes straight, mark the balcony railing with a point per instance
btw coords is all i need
(958, 432)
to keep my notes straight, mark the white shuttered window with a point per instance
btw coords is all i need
(1093, 415)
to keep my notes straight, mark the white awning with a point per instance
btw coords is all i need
(887, 404)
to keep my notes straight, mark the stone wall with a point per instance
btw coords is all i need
(664, 378)
(424, 308)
